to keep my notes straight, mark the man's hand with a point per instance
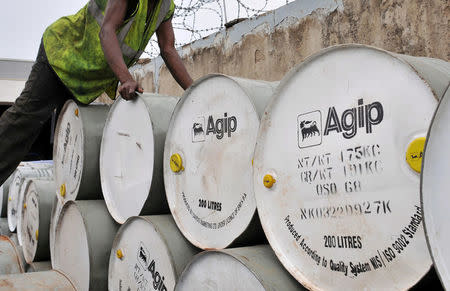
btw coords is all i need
(127, 90)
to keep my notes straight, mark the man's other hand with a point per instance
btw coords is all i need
(127, 90)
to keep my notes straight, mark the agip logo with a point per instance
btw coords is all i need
(198, 130)
(219, 127)
(309, 129)
(348, 123)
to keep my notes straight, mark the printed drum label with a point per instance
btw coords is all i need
(69, 153)
(146, 264)
(214, 133)
(30, 224)
(345, 209)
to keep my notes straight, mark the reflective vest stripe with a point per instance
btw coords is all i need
(127, 51)
(96, 12)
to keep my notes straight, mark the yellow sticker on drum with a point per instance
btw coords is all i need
(414, 154)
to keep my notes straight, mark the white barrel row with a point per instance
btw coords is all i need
(334, 174)
(27, 170)
(435, 187)
(336, 167)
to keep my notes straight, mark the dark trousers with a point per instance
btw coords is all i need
(21, 124)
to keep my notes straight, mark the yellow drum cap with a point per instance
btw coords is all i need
(268, 181)
(62, 190)
(37, 233)
(414, 154)
(176, 163)
(119, 254)
(76, 112)
(25, 206)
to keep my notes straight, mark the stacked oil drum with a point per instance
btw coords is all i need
(333, 178)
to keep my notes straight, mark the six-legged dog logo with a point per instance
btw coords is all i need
(309, 128)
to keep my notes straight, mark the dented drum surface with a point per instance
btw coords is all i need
(83, 240)
(208, 157)
(27, 170)
(248, 268)
(336, 168)
(76, 150)
(435, 187)
(131, 156)
(148, 253)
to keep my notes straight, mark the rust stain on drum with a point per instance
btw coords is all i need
(5, 283)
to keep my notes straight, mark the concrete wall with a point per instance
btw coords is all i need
(270, 45)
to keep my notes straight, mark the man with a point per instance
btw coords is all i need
(82, 56)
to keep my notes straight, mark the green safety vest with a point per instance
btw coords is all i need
(74, 51)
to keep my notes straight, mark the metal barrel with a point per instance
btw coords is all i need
(435, 188)
(336, 167)
(131, 156)
(38, 266)
(4, 191)
(208, 158)
(34, 219)
(83, 240)
(10, 260)
(56, 211)
(246, 268)
(76, 150)
(37, 281)
(17, 214)
(28, 170)
(149, 252)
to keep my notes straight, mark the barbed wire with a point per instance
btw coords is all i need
(195, 19)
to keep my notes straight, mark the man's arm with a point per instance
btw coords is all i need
(114, 17)
(166, 42)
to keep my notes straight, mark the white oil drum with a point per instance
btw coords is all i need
(4, 192)
(41, 170)
(76, 150)
(38, 266)
(56, 211)
(37, 281)
(435, 190)
(148, 253)
(34, 220)
(83, 240)
(247, 268)
(17, 215)
(10, 258)
(208, 159)
(131, 156)
(336, 168)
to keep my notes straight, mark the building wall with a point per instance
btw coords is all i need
(268, 46)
